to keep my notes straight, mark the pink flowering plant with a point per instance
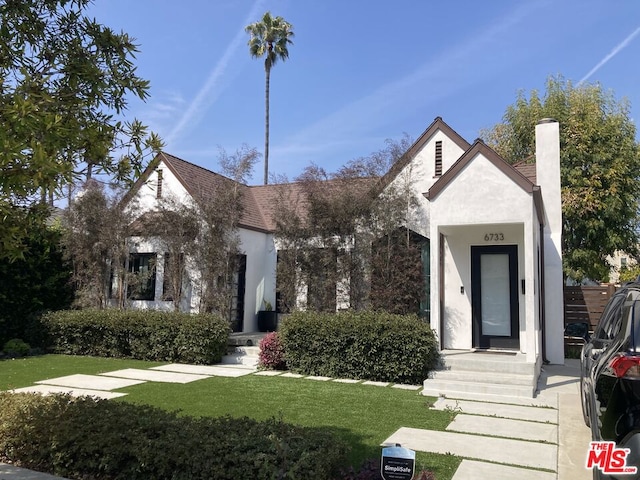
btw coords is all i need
(272, 352)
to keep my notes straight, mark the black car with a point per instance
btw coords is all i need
(610, 386)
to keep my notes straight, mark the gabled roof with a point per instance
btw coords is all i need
(437, 125)
(513, 173)
(479, 147)
(201, 184)
(260, 203)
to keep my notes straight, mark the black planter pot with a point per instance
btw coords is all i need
(267, 320)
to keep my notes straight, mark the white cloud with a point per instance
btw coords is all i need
(426, 84)
(610, 55)
(211, 90)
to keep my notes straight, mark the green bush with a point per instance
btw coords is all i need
(87, 438)
(16, 348)
(364, 345)
(140, 334)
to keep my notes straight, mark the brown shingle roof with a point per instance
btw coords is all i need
(260, 203)
(528, 169)
(202, 183)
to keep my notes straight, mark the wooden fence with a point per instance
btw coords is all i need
(585, 304)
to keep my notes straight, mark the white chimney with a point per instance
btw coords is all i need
(548, 171)
(548, 178)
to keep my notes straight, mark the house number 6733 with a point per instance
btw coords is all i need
(493, 237)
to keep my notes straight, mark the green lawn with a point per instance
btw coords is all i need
(363, 415)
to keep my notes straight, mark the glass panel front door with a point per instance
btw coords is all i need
(494, 296)
(494, 286)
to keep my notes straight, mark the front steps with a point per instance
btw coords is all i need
(242, 356)
(465, 373)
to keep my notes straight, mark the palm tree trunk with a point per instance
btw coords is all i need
(266, 129)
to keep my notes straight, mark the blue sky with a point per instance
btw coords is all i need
(362, 71)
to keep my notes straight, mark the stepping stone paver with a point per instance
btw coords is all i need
(406, 387)
(516, 412)
(499, 450)
(74, 392)
(155, 375)
(504, 427)
(292, 375)
(209, 370)
(268, 373)
(473, 470)
(318, 378)
(8, 472)
(346, 380)
(90, 382)
(376, 384)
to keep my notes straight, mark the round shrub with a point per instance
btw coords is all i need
(363, 345)
(271, 352)
(16, 348)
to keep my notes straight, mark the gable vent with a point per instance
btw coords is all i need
(438, 158)
(159, 187)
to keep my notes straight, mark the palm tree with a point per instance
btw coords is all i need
(269, 38)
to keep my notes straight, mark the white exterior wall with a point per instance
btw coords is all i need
(420, 173)
(481, 200)
(257, 246)
(145, 198)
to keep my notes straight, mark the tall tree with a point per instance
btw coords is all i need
(96, 238)
(270, 38)
(64, 80)
(599, 167)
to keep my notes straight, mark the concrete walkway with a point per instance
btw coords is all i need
(499, 438)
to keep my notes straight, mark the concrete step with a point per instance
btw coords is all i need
(483, 373)
(450, 388)
(242, 355)
(488, 362)
(249, 351)
(484, 377)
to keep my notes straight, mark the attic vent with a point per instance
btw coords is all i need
(438, 158)
(159, 188)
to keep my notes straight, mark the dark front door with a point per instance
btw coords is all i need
(494, 296)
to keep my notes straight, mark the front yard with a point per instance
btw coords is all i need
(362, 415)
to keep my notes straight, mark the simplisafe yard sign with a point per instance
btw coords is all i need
(397, 463)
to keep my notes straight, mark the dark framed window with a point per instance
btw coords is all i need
(142, 284)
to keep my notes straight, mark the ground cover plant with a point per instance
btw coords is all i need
(363, 416)
(89, 438)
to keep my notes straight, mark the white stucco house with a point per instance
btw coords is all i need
(494, 231)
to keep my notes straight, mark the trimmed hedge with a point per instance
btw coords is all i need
(140, 334)
(90, 439)
(363, 345)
